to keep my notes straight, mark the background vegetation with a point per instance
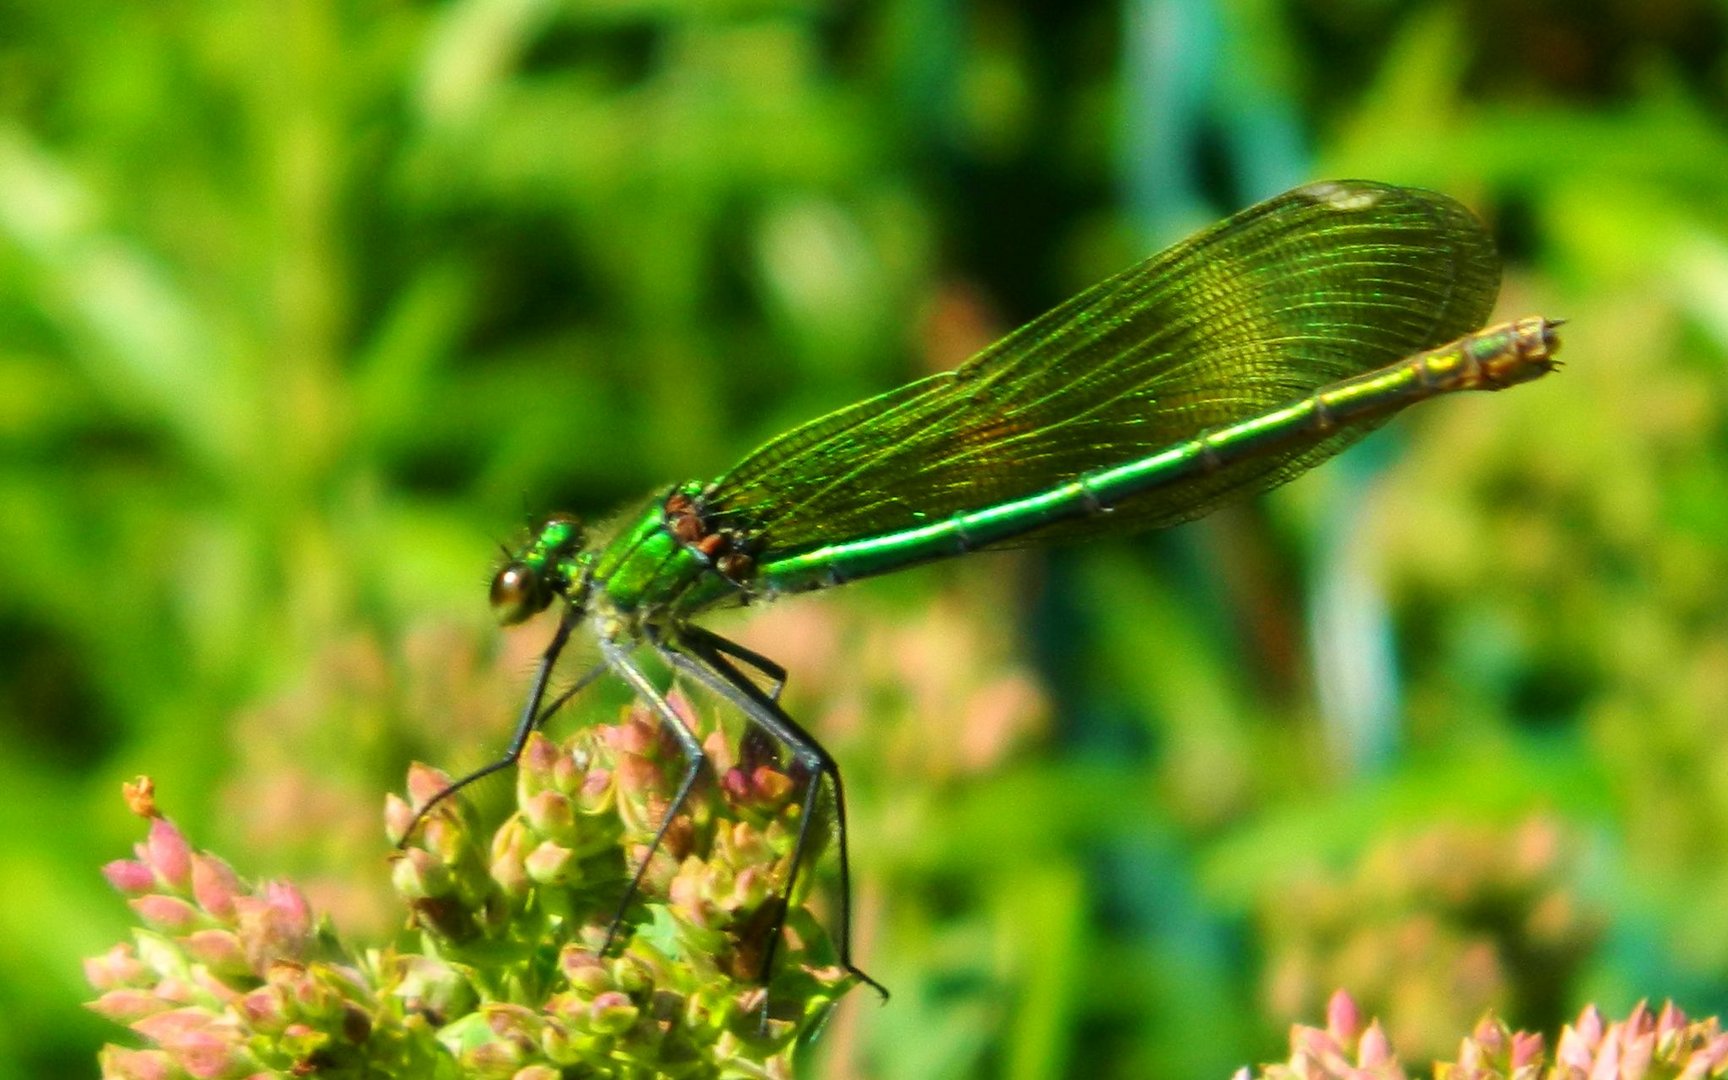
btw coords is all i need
(302, 304)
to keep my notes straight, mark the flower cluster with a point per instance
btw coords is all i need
(1434, 927)
(534, 956)
(225, 979)
(1644, 1046)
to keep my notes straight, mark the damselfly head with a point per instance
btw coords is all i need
(526, 584)
(518, 593)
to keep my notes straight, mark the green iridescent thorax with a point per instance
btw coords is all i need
(646, 569)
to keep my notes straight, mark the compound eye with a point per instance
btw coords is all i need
(517, 594)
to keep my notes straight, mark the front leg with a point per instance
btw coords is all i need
(530, 719)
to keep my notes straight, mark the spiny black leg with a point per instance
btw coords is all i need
(714, 671)
(528, 721)
(618, 659)
(774, 673)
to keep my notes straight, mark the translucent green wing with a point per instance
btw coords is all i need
(1313, 286)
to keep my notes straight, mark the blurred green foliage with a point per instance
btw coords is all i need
(302, 304)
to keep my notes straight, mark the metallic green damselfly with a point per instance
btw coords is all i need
(1216, 369)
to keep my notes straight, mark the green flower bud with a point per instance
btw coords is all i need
(417, 874)
(612, 1013)
(550, 814)
(549, 864)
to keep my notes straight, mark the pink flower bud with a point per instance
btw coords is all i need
(177, 991)
(1717, 1051)
(398, 818)
(1573, 1052)
(751, 887)
(686, 894)
(514, 1022)
(595, 787)
(214, 886)
(1491, 1036)
(167, 852)
(1640, 1020)
(1343, 1018)
(218, 950)
(637, 739)
(1376, 1049)
(1607, 1062)
(418, 875)
(209, 1055)
(550, 814)
(490, 1059)
(168, 913)
(274, 926)
(120, 1063)
(168, 1028)
(1670, 1020)
(735, 784)
(289, 904)
(118, 967)
(613, 1013)
(772, 786)
(719, 751)
(265, 1009)
(680, 707)
(636, 776)
(129, 877)
(302, 1040)
(299, 990)
(1639, 1052)
(549, 864)
(425, 783)
(510, 871)
(127, 1006)
(567, 773)
(1324, 1049)
(539, 757)
(1527, 1049)
(584, 971)
(1698, 1066)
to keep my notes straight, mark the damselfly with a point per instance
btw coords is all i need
(1218, 368)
